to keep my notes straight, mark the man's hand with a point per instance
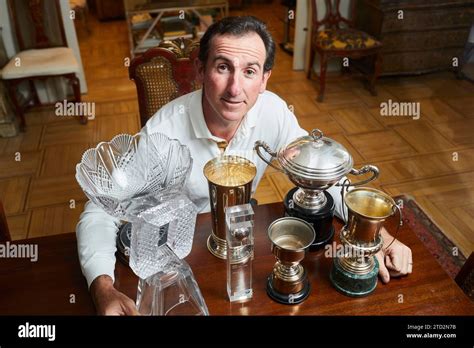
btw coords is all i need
(110, 301)
(395, 261)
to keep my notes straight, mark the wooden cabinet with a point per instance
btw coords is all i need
(418, 36)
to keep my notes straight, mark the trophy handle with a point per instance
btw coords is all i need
(400, 224)
(365, 169)
(344, 188)
(261, 144)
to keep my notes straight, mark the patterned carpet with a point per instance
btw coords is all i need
(445, 252)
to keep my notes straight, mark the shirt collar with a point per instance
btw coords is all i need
(199, 123)
(197, 117)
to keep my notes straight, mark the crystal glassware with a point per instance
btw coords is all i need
(240, 246)
(173, 291)
(140, 179)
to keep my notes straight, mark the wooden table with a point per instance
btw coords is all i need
(55, 285)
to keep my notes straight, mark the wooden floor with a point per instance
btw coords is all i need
(431, 159)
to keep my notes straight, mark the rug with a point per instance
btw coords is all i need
(431, 236)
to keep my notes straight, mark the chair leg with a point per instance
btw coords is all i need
(77, 94)
(322, 77)
(85, 21)
(11, 85)
(311, 62)
(34, 93)
(377, 69)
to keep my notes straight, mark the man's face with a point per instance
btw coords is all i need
(233, 77)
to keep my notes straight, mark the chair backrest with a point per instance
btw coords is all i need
(4, 232)
(332, 17)
(164, 73)
(37, 23)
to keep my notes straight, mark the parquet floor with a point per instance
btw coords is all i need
(431, 158)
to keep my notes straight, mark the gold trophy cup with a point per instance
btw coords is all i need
(355, 274)
(230, 183)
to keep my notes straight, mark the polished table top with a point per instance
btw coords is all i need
(54, 285)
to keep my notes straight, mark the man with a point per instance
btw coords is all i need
(229, 114)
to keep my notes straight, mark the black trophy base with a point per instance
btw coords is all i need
(289, 299)
(321, 219)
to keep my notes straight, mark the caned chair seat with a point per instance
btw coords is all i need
(345, 39)
(41, 62)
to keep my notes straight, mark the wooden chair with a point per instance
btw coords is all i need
(43, 53)
(340, 39)
(465, 277)
(164, 73)
(4, 231)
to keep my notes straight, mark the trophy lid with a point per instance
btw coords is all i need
(316, 157)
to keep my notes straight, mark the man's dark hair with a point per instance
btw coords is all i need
(239, 26)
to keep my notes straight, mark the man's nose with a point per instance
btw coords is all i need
(234, 86)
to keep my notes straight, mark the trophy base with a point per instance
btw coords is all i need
(351, 284)
(289, 299)
(320, 219)
(217, 248)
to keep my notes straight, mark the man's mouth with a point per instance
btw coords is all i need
(232, 102)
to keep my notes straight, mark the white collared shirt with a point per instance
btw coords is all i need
(268, 120)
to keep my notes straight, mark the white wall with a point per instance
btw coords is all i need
(6, 28)
(299, 47)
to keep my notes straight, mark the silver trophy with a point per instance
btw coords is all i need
(140, 179)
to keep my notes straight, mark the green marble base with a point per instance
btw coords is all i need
(351, 284)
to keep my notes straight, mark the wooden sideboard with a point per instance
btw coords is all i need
(428, 37)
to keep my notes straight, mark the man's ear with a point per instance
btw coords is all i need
(199, 66)
(265, 77)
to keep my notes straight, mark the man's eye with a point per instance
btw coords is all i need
(250, 72)
(222, 67)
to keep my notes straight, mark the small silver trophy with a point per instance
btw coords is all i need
(140, 179)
